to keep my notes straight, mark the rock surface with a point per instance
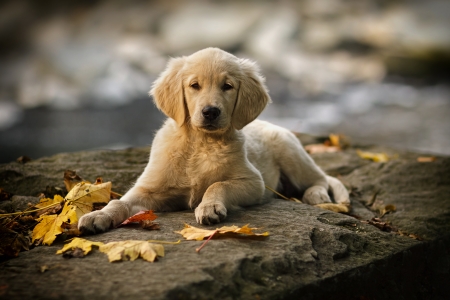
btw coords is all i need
(311, 253)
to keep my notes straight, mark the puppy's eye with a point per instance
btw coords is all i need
(227, 87)
(195, 86)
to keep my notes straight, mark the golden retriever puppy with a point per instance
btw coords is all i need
(211, 154)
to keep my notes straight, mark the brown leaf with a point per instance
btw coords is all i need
(74, 253)
(141, 216)
(23, 159)
(71, 229)
(149, 225)
(384, 226)
(12, 242)
(71, 179)
(4, 195)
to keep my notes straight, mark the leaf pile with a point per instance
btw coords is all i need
(116, 251)
(79, 201)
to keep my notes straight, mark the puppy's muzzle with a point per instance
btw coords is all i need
(210, 113)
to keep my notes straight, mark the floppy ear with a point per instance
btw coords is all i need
(252, 95)
(167, 91)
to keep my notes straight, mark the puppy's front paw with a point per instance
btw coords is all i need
(210, 213)
(316, 195)
(95, 222)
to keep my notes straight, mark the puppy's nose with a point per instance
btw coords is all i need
(210, 112)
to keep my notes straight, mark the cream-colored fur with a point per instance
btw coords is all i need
(211, 154)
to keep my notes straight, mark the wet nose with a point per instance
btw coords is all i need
(210, 112)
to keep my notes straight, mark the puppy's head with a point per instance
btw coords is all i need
(211, 90)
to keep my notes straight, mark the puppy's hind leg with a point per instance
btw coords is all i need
(300, 169)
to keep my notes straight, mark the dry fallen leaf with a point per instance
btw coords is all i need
(334, 140)
(4, 195)
(334, 143)
(83, 196)
(194, 233)
(71, 179)
(149, 225)
(51, 225)
(336, 207)
(425, 159)
(321, 148)
(131, 250)
(12, 242)
(141, 216)
(376, 157)
(80, 243)
(387, 209)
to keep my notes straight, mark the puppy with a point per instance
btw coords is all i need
(211, 154)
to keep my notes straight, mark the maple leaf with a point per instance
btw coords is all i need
(51, 225)
(141, 216)
(194, 233)
(79, 243)
(83, 196)
(376, 157)
(131, 250)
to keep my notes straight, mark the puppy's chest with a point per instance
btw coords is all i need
(209, 162)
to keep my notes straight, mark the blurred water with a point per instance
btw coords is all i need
(394, 114)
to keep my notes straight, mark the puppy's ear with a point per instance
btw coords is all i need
(167, 91)
(252, 95)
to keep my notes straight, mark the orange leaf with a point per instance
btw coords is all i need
(425, 159)
(141, 216)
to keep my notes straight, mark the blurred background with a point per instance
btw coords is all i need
(74, 75)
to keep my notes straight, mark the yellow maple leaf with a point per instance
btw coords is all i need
(50, 225)
(83, 244)
(83, 196)
(44, 202)
(376, 157)
(131, 250)
(194, 233)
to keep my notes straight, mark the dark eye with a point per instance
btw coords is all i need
(195, 86)
(227, 87)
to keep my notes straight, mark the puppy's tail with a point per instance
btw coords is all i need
(340, 195)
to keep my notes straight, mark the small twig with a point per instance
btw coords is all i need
(282, 196)
(273, 191)
(29, 211)
(164, 242)
(203, 245)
